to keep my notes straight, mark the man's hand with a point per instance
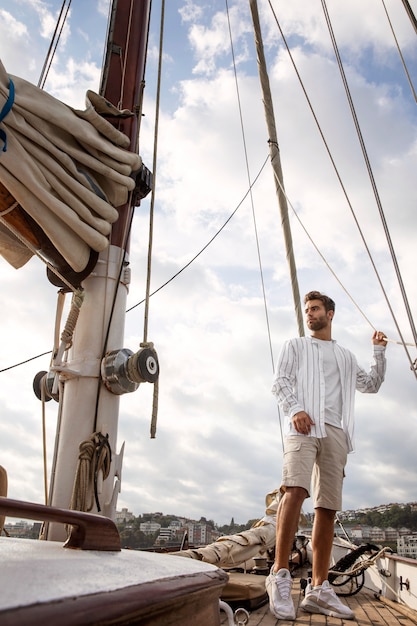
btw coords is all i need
(302, 422)
(379, 339)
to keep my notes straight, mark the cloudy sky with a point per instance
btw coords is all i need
(218, 449)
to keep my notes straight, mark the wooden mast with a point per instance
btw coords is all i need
(87, 405)
(276, 164)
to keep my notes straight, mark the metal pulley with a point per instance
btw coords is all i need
(122, 370)
(143, 366)
(43, 386)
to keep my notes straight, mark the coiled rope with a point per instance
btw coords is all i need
(95, 457)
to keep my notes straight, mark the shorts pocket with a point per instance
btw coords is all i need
(292, 445)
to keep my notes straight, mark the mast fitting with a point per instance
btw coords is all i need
(122, 370)
(144, 183)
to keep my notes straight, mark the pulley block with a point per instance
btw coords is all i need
(43, 385)
(144, 366)
(122, 370)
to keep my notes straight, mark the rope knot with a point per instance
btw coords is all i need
(94, 457)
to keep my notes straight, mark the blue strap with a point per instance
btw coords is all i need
(5, 110)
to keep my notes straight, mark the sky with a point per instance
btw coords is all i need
(218, 327)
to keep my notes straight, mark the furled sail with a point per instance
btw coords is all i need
(67, 169)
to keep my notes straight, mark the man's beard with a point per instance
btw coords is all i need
(318, 324)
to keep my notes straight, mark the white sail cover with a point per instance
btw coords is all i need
(68, 169)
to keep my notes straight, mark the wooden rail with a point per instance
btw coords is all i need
(88, 531)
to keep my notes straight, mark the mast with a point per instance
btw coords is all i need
(89, 403)
(276, 164)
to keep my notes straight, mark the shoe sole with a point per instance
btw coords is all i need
(281, 615)
(313, 608)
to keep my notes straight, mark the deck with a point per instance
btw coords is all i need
(368, 612)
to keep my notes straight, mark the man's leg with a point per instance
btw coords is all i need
(288, 515)
(279, 582)
(327, 486)
(322, 544)
(299, 457)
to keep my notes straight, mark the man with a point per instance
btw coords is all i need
(315, 383)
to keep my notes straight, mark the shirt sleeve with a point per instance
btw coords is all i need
(284, 381)
(370, 382)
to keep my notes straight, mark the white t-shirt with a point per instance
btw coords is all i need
(333, 387)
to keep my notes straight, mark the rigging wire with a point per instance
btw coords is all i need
(194, 258)
(25, 241)
(332, 161)
(376, 195)
(216, 234)
(230, 217)
(410, 14)
(276, 165)
(154, 168)
(245, 150)
(410, 82)
(261, 273)
(331, 270)
(53, 46)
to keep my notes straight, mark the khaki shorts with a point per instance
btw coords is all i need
(320, 462)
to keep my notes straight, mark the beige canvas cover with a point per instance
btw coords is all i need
(68, 169)
(246, 590)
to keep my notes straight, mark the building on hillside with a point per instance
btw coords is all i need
(149, 528)
(376, 534)
(123, 516)
(357, 533)
(176, 534)
(165, 536)
(201, 534)
(19, 529)
(391, 534)
(407, 545)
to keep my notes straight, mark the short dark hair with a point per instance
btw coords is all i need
(316, 295)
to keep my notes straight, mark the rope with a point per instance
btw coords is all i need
(276, 165)
(255, 227)
(45, 465)
(58, 318)
(210, 240)
(55, 37)
(403, 343)
(9, 209)
(331, 270)
(30, 247)
(410, 82)
(145, 342)
(154, 169)
(376, 195)
(410, 14)
(61, 395)
(94, 457)
(123, 62)
(360, 565)
(155, 401)
(68, 332)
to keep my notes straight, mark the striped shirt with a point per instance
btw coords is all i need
(299, 383)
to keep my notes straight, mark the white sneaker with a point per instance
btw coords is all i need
(278, 586)
(322, 599)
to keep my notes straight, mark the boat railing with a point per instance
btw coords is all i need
(87, 531)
